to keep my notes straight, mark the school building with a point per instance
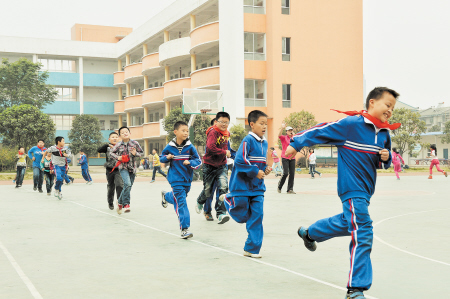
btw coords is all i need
(279, 56)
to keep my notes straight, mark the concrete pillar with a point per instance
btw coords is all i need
(193, 22)
(120, 120)
(193, 62)
(144, 49)
(146, 147)
(145, 115)
(166, 36)
(128, 59)
(80, 86)
(145, 82)
(167, 106)
(119, 94)
(167, 73)
(119, 65)
(128, 86)
(128, 119)
(35, 58)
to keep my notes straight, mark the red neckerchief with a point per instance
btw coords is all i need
(60, 152)
(21, 153)
(374, 120)
(223, 133)
(41, 148)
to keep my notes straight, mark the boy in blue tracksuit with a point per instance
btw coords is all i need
(36, 153)
(60, 153)
(245, 200)
(85, 168)
(364, 146)
(183, 158)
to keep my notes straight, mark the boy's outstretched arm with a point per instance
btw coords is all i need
(164, 154)
(242, 162)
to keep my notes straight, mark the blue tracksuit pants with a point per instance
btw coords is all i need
(60, 174)
(355, 222)
(86, 175)
(177, 197)
(249, 210)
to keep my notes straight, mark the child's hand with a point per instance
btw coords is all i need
(290, 152)
(65, 155)
(33, 158)
(260, 175)
(384, 153)
(268, 170)
(228, 154)
(133, 151)
(186, 162)
(43, 169)
(169, 156)
(283, 125)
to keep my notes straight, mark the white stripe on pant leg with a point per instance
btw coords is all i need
(356, 244)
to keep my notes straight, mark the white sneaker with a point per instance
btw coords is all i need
(320, 175)
(253, 255)
(198, 208)
(222, 197)
(185, 234)
(90, 183)
(223, 218)
(56, 193)
(60, 195)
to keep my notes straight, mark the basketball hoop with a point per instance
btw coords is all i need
(204, 112)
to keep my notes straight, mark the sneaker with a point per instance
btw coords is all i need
(111, 206)
(17, 187)
(90, 183)
(445, 173)
(56, 193)
(279, 190)
(320, 175)
(222, 197)
(119, 209)
(72, 179)
(311, 178)
(208, 216)
(223, 218)
(126, 209)
(41, 191)
(253, 255)
(185, 234)
(68, 183)
(355, 294)
(398, 179)
(198, 208)
(34, 188)
(302, 233)
(291, 192)
(430, 177)
(163, 199)
(60, 195)
(152, 181)
(49, 193)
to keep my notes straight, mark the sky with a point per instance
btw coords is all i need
(406, 42)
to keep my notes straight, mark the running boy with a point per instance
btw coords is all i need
(364, 146)
(113, 177)
(215, 164)
(183, 158)
(36, 154)
(85, 168)
(246, 198)
(47, 169)
(59, 154)
(21, 166)
(156, 165)
(127, 153)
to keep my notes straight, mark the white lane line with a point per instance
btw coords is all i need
(224, 250)
(405, 251)
(34, 292)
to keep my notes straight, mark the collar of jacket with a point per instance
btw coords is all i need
(257, 137)
(174, 142)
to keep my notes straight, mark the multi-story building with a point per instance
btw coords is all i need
(278, 56)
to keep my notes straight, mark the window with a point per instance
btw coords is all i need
(255, 93)
(62, 122)
(102, 125)
(286, 49)
(285, 7)
(254, 46)
(66, 94)
(156, 116)
(286, 95)
(150, 118)
(113, 124)
(254, 6)
(56, 65)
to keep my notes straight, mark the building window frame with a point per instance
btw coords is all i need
(255, 6)
(286, 49)
(252, 55)
(286, 95)
(58, 65)
(252, 97)
(285, 7)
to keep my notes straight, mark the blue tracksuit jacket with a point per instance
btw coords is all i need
(358, 141)
(83, 162)
(179, 174)
(250, 159)
(37, 153)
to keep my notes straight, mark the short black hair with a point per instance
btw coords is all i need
(254, 115)
(113, 133)
(124, 127)
(222, 114)
(433, 146)
(155, 150)
(21, 147)
(58, 139)
(212, 121)
(378, 92)
(178, 124)
(41, 140)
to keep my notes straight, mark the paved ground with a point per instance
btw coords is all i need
(78, 248)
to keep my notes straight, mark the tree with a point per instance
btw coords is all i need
(7, 157)
(22, 82)
(300, 121)
(170, 120)
(23, 125)
(408, 135)
(201, 124)
(85, 134)
(435, 128)
(237, 135)
(446, 137)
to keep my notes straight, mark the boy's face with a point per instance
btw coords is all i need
(260, 126)
(182, 133)
(153, 152)
(383, 107)
(125, 134)
(40, 144)
(48, 156)
(222, 123)
(61, 143)
(21, 150)
(113, 139)
(81, 153)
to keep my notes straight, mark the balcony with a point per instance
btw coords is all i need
(206, 78)
(153, 96)
(204, 37)
(133, 72)
(154, 130)
(119, 79)
(133, 103)
(173, 89)
(119, 107)
(174, 51)
(150, 64)
(137, 132)
(255, 69)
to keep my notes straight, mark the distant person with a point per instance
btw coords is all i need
(276, 166)
(21, 166)
(435, 161)
(59, 154)
(36, 153)
(85, 167)
(397, 160)
(312, 164)
(156, 166)
(47, 168)
(288, 163)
